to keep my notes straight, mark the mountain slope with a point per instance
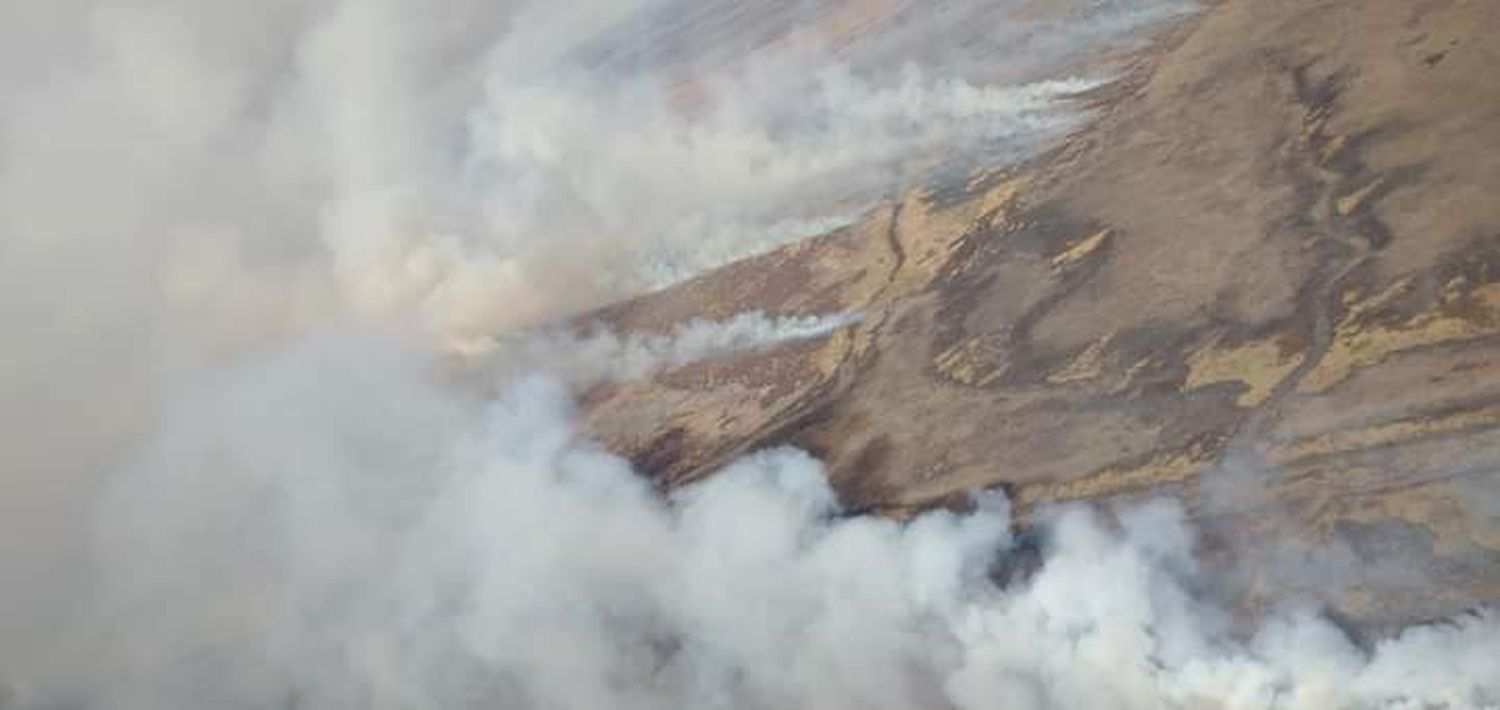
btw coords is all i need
(1266, 279)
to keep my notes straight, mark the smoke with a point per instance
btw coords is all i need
(326, 529)
(588, 358)
(184, 185)
(491, 165)
(239, 242)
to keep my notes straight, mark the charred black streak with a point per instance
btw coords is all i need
(893, 240)
(1338, 190)
(661, 454)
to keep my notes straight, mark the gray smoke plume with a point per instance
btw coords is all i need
(239, 241)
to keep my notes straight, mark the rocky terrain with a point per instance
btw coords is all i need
(1265, 279)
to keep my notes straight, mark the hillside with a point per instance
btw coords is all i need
(1266, 279)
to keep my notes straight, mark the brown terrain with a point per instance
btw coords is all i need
(1266, 280)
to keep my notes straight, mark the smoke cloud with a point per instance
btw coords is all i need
(239, 243)
(591, 357)
(324, 529)
(491, 165)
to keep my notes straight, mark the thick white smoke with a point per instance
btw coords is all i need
(326, 529)
(239, 240)
(185, 184)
